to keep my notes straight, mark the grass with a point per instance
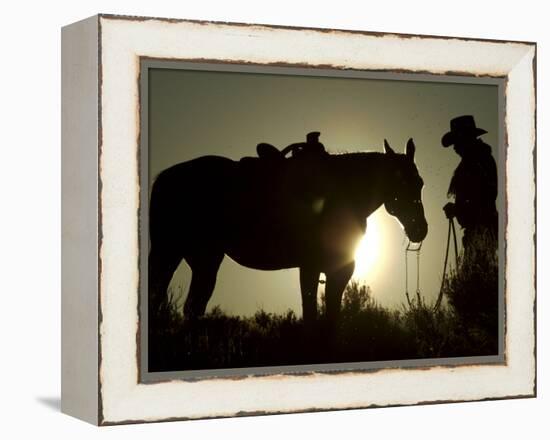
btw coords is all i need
(466, 326)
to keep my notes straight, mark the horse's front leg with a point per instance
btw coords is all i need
(337, 281)
(309, 281)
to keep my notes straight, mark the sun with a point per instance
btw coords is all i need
(368, 250)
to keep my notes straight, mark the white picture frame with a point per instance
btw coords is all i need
(101, 197)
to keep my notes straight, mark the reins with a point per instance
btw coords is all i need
(453, 230)
(410, 248)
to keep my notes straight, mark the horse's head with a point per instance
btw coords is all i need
(403, 195)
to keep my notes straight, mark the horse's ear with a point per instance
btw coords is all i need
(409, 151)
(387, 148)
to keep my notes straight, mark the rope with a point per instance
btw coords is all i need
(453, 230)
(451, 221)
(407, 277)
(418, 276)
(417, 250)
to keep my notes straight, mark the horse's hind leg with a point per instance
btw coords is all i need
(336, 283)
(203, 280)
(309, 281)
(162, 264)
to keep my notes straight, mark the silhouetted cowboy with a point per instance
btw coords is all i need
(473, 186)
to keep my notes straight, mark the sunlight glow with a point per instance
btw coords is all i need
(368, 250)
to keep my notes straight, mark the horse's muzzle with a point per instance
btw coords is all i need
(416, 232)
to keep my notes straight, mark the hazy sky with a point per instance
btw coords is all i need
(196, 113)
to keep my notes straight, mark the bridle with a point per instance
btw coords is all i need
(451, 228)
(412, 248)
(416, 248)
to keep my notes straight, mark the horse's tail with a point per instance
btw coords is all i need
(163, 256)
(158, 207)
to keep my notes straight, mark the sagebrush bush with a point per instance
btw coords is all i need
(472, 292)
(365, 331)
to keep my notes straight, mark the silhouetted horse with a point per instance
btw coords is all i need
(276, 214)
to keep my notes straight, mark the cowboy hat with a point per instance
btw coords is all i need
(463, 127)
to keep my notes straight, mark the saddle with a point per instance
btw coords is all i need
(295, 177)
(311, 146)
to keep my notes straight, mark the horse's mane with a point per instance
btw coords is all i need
(358, 159)
(356, 153)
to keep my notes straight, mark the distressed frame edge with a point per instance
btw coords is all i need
(245, 413)
(80, 221)
(535, 208)
(531, 53)
(142, 18)
(313, 410)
